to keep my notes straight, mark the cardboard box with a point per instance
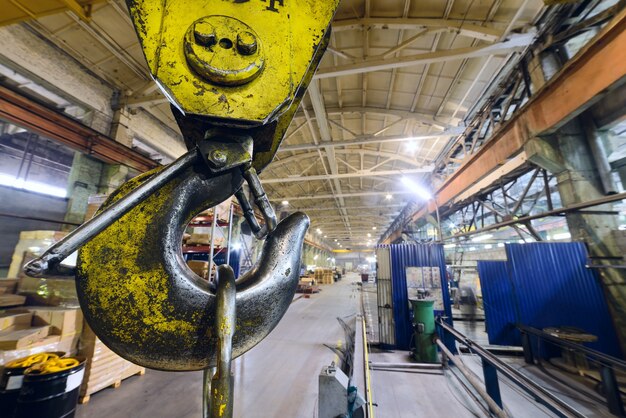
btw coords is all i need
(18, 319)
(201, 268)
(16, 338)
(68, 321)
(8, 286)
(7, 301)
(48, 291)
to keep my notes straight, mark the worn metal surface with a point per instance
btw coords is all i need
(287, 34)
(501, 311)
(49, 261)
(553, 288)
(144, 303)
(222, 383)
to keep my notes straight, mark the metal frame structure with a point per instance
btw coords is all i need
(492, 149)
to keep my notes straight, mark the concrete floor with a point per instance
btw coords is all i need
(279, 377)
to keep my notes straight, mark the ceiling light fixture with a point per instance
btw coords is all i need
(285, 202)
(388, 197)
(483, 237)
(416, 188)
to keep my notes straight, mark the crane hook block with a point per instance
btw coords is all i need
(242, 60)
(144, 303)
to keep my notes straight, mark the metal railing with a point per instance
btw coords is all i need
(607, 364)
(492, 365)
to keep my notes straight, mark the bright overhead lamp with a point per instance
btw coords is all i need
(416, 188)
(483, 237)
(325, 236)
(285, 202)
(388, 197)
(369, 235)
(374, 228)
(411, 146)
(315, 258)
(564, 235)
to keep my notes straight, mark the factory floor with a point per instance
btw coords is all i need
(279, 377)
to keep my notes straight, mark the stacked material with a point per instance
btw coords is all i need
(35, 242)
(32, 330)
(201, 268)
(324, 276)
(201, 238)
(104, 368)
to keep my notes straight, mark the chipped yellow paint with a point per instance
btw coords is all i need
(119, 286)
(289, 31)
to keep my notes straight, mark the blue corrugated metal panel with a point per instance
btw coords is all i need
(553, 288)
(501, 310)
(413, 255)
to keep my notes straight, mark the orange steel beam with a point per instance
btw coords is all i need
(15, 11)
(597, 69)
(47, 122)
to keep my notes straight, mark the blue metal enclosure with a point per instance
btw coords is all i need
(499, 303)
(414, 255)
(547, 285)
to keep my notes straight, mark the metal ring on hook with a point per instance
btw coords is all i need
(144, 303)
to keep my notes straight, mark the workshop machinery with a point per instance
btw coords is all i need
(234, 72)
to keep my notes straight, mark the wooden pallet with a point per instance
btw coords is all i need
(103, 368)
(85, 398)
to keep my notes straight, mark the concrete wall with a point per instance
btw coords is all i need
(31, 56)
(45, 64)
(18, 202)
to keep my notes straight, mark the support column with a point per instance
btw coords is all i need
(112, 177)
(83, 182)
(578, 182)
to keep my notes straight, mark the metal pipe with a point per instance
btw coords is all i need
(473, 379)
(572, 208)
(212, 246)
(601, 357)
(34, 218)
(553, 403)
(404, 366)
(230, 233)
(49, 262)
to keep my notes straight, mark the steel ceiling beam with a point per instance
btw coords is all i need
(342, 195)
(342, 176)
(422, 118)
(462, 27)
(515, 42)
(366, 140)
(597, 69)
(30, 10)
(46, 122)
(321, 209)
(314, 154)
(317, 101)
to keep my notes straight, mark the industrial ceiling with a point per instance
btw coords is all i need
(392, 91)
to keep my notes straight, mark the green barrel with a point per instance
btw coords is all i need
(424, 325)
